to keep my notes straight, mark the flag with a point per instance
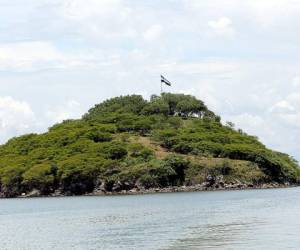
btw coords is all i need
(165, 81)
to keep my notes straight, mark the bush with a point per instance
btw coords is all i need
(166, 137)
(156, 107)
(79, 175)
(123, 104)
(10, 180)
(116, 152)
(183, 148)
(139, 151)
(98, 136)
(143, 126)
(207, 148)
(178, 165)
(148, 181)
(41, 177)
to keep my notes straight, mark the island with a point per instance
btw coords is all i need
(129, 145)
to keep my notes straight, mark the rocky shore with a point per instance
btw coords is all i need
(194, 188)
(206, 186)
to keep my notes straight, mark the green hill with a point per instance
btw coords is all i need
(128, 142)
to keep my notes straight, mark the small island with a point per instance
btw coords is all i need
(129, 145)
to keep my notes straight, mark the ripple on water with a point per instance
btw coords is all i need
(249, 219)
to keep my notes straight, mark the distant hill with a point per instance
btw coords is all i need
(128, 143)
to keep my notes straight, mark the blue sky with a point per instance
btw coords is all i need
(60, 57)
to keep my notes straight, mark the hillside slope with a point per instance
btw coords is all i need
(129, 143)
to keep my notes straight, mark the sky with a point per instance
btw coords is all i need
(58, 58)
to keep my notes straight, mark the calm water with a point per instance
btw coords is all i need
(255, 219)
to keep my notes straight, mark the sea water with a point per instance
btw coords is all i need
(248, 219)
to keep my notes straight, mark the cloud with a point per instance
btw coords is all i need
(217, 67)
(222, 27)
(273, 13)
(43, 55)
(282, 107)
(84, 9)
(296, 81)
(153, 33)
(240, 57)
(254, 125)
(288, 110)
(70, 110)
(16, 118)
(24, 56)
(102, 21)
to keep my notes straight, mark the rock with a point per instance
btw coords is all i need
(138, 184)
(57, 192)
(101, 187)
(33, 193)
(133, 191)
(117, 187)
(210, 180)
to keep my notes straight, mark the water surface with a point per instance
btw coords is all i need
(249, 219)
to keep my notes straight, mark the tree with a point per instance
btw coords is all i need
(156, 106)
(41, 177)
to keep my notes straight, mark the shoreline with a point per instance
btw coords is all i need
(175, 189)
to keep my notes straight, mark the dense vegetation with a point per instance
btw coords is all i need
(128, 142)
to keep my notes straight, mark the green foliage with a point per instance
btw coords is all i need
(115, 151)
(139, 151)
(41, 177)
(78, 174)
(98, 136)
(123, 104)
(178, 164)
(127, 141)
(156, 107)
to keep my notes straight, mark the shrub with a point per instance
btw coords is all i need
(98, 136)
(183, 148)
(10, 180)
(143, 126)
(156, 107)
(207, 148)
(139, 151)
(116, 152)
(148, 181)
(178, 165)
(41, 177)
(79, 175)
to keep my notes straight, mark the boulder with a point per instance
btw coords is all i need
(33, 193)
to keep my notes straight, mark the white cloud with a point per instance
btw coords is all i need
(83, 9)
(153, 33)
(24, 56)
(254, 125)
(70, 110)
(282, 107)
(217, 67)
(16, 118)
(222, 26)
(98, 20)
(273, 12)
(288, 110)
(296, 81)
(43, 55)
